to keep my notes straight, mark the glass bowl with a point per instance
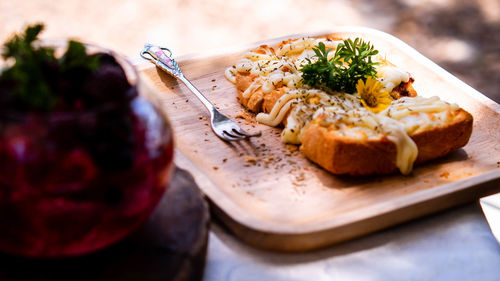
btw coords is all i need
(74, 182)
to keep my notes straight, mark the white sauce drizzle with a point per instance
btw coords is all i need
(391, 76)
(251, 89)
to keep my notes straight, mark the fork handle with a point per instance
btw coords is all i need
(198, 94)
(165, 61)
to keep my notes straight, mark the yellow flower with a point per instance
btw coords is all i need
(372, 95)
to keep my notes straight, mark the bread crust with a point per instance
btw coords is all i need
(344, 155)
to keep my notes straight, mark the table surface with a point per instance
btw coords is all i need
(453, 245)
(462, 36)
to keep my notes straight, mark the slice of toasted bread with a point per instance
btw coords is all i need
(346, 155)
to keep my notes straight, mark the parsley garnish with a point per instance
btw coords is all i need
(35, 70)
(352, 61)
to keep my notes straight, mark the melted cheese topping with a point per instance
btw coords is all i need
(341, 113)
(419, 114)
(405, 106)
(391, 76)
(305, 103)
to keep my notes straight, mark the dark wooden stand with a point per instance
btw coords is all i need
(171, 245)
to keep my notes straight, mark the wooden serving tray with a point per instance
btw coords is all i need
(272, 197)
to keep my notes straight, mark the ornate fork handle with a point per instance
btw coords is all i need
(165, 62)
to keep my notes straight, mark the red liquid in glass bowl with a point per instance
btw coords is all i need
(75, 182)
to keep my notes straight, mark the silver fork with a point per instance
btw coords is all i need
(222, 126)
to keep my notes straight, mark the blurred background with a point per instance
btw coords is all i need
(461, 36)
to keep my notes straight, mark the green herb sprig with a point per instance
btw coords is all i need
(352, 61)
(34, 69)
